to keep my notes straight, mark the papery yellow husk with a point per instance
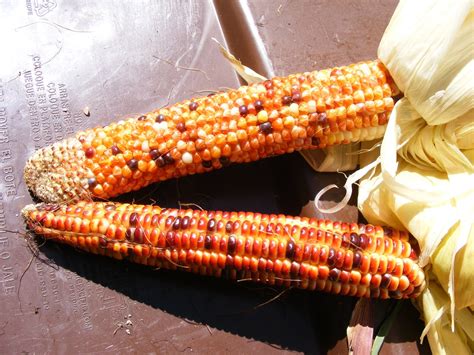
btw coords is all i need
(425, 181)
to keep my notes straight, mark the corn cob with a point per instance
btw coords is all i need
(341, 258)
(303, 111)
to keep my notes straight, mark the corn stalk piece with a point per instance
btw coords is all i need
(303, 111)
(340, 258)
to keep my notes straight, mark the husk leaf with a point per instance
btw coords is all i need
(425, 182)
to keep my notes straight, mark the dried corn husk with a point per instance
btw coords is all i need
(425, 181)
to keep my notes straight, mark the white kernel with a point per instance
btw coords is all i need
(181, 145)
(187, 158)
(163, 125)
(311, 106)
(261, 89)
(234, 112)
(356, 135)
(294, 109)
(145, 147)
(274, 114)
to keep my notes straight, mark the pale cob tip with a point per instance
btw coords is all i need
(28, 209)
(56, 173)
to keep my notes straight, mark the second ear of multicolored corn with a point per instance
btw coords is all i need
(341, 258)
(304, 111)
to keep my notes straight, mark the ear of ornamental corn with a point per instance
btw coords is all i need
(341, 258)
(303, 111)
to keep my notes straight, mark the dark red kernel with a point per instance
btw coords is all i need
(331, 257)
(355, 240)
(266, 128)
(133, 219)
(207, 242)
(154, 154)
(231, 244)
(185, 222)
(138, 235)
(224, 161)
(386, 278)
(193, 106)
(356, 260)
(258, 105)
(334, 274)
(363, 240)
(160, 162)
(286, 100)
(102, 241)
(141, 118)
(181, 127)
(115, 150)
(168, 159)
(388, 231)
(160, 118)
(315, 141)
(129, 233)
(90, 152)
(243, 110)
(296, 97)
(211, 225)
(346, 240)
(395, 294)
(290, 249)
(207, 164)
(133, 164)
(177, 223)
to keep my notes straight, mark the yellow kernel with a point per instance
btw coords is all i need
(359, 96)
(232, 138)
(331, 114)
(242, 123)
(262, 116)
(294, 109)
(126, 172)
(142, 166)
(98, 190)
(251, 120)
(289, 122)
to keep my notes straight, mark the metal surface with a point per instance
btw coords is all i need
(64, 59)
